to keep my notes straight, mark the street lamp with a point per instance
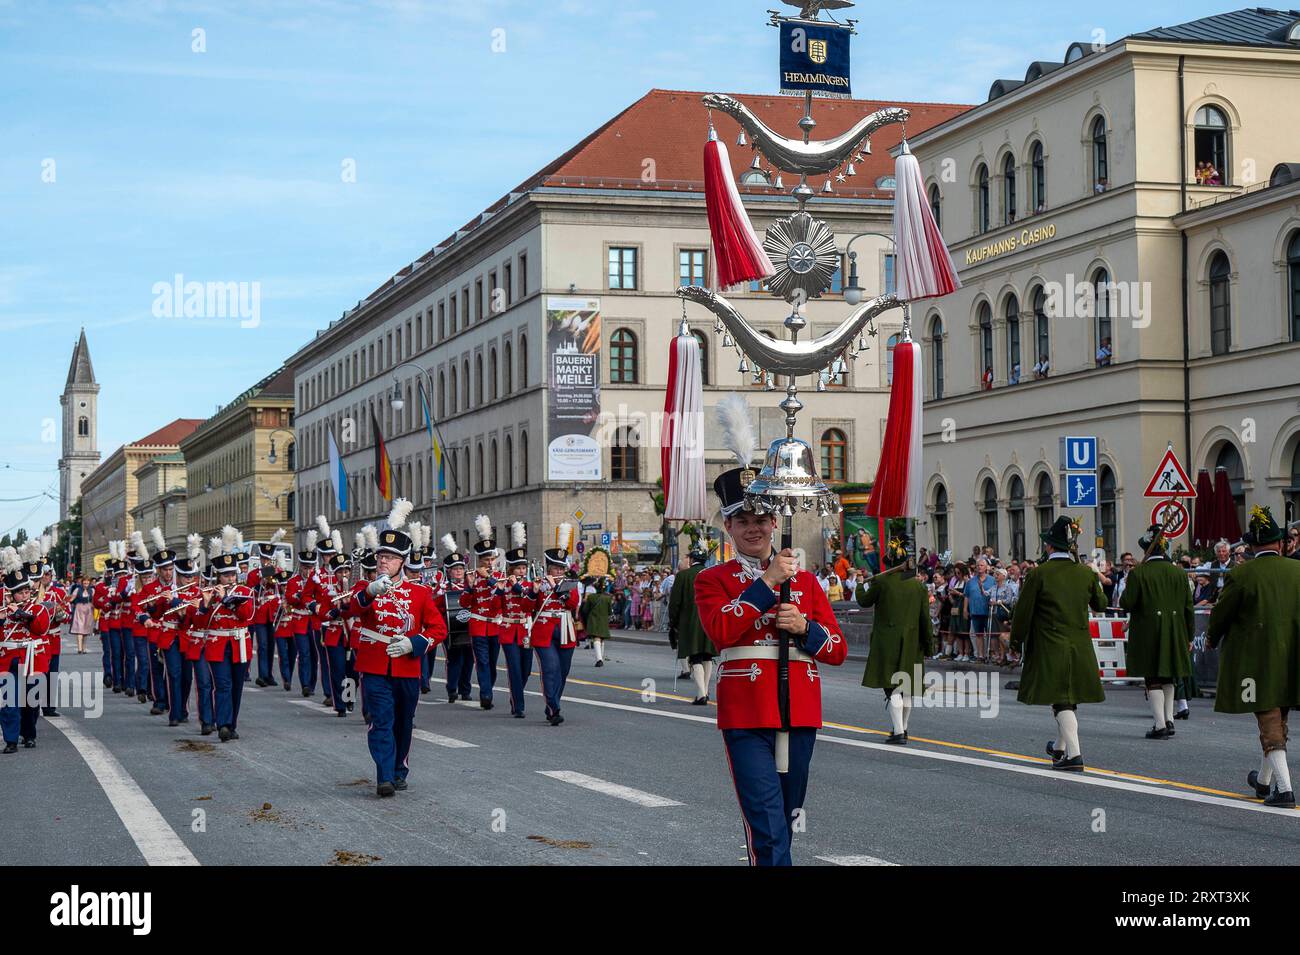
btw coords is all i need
(397, 402)
(271, 456)
(853, 291)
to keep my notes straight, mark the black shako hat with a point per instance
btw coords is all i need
(393, 542)
(517, 556)
(225, 564)
(730, 488)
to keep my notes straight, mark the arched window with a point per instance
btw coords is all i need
(889, 357)
(478, 472)
(1100, 157)
(523, 458)
(492, 466)
(1109, 511)
(1042, 340)
(624, 463)
(1016, 517)
(455, 392)
(1044, 509)
(1292, 493)
(704, 355)
(1101, 293)
(291, 456)
(1229, 458)
(941, 520)
(936, 205)
(523, 361)
(1013, 340)
(478, 381)
(982, 199)
(1038, 179)
(442, 394)
(464, 383)
(986, 344)
(1211, 146)
(492, 374)
(508, 366)
(989, 514)
(1009, 189)
(1220, 305)
(510, 462)
(936, 359)
(1293, 284)
(622, 357)
(834, 455)
(83, 427)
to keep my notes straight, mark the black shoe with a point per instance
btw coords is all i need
(1284, 800)
(600, 663)
(1169, 727)
(451, 697)
(224, 733)
(327, 702)
(306, 692)
(424, 690)
(171, 723)
(340, 712)
(683, 676)
(9, 748)
(700, 701)
(117, 688)
(465, 697)
(1053, 752)
(1074, 765)
(50, 711)
(260, 682)
(1252, 780)
(1158, 733)
(142, 697)
(518, 716)
(288, 687)
(269, 682)
(28, 743)
(385, 789)
(1183, 714)
(349, 707)
(557, 719)
(896, 739)
(206, 729)
(108, 682)
(233, 734)
(156, 711)
(400, 785)
(485, 704)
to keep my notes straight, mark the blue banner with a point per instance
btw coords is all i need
(815, 56)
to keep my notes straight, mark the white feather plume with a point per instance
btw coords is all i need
(372, 536)
(323, 526)
(277, 535)
(46, 543)
(194, 546)
(427, 537)
(158, 538)
(400, 513)
(359, 541)
(337, 540)
(565, 542)
(518, 535)
(737, 428)
(214, 547)
(137, 545)
(449, 543)
(312, 538)
(483, 527)
(239, 541)
(281, 560)
(9, 560)
(228, 537)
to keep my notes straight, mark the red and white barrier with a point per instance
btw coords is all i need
(1109, 642)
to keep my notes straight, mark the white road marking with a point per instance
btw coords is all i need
(442, 740)
(155, 839)
(316, 705)
(855, 860)
(649, 800)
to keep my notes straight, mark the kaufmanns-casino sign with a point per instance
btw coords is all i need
(1011, 243)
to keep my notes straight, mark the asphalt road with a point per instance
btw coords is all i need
(635, 776)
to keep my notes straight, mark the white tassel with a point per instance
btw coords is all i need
(228, 537)
(924, 268)
(214, 547)
(682, 435)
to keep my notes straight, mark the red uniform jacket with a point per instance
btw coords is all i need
(738, 612)
(552, 608)
(229, 625)
(144, 628)
(17, 633)
(299, 592)
(186, 622)
(333, 626)
(518, 604)
(99, 600)
(56, 601)
(121, 602)
(484, 603)
(163, 629)
(406, 610)
(264, 610)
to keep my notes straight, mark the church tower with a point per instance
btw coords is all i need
(80, 427)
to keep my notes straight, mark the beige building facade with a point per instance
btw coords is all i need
(160, 484)
(1069, 201)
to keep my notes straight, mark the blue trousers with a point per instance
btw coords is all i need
(123, 659)
(390, 703)
(105, 639)
(426, 668)
(288, 648)
(228, 687)
(519, 667)
(308, 653)
(11, 715)
(28, 715)
(768, 799)
(548, 662)
(175, 666)
(460, 661)
(143, 672)
(158, 678)
(566, 661)
(326, 677)
(53, 682)
(265, 651)
(334, 657)
(198, 672)
(487, 650)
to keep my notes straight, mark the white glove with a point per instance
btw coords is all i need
(379, 586)
(400, 647)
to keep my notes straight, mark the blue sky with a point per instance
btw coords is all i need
(129, 157)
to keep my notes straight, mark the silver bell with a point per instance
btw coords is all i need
(740, 140)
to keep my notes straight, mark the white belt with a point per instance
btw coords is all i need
(374, 636)
(300, 613)
(241, 633)
(482, 619)
(762, 653)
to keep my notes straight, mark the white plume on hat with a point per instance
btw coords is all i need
(337, 540)
(46, 543)
(239, 541)
(158, 538)
(401, 511)
(277, 535)
(214, 548)
(281, 560)
(372, 536)
(9, 560)
(311, 541)
(323, 526)
(565, 541)
(449, 543)
(194, 546)
(359, 540)
(737, 428)
(137, 545)
(228, 537)
(483, 527)
(518, 535)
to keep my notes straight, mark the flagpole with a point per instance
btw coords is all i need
(435, 436)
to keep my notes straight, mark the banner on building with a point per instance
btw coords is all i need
(573, 388)
(815, 56)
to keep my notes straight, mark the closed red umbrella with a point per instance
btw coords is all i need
(1203, 510)
(1226, 524)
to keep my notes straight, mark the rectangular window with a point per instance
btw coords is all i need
(492, 293)
(507, 283)
(452, 305)
(692, 266)
(442, 320)
(464, 306)
(622, 268)
(478, 300)
(889, 274)
(523, 274)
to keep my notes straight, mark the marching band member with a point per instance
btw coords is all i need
(262, 581)
(485, 592)
(24, 653)
(396, 624)
(119, 622)
(517, 603)
(334, 628)
(331, 544)
(57, 600)
(740, 609)
(1256, 622)
(1051, 622)
(99, 603)
(456, 603)
(184, 654)
(158, 598)
(553, 636)
(685, 634)
(1161, 624)
(142, 567)
(299, 598)
(224, 615)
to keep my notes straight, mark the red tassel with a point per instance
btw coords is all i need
(897, 490)
(737, 253)
(924, 268)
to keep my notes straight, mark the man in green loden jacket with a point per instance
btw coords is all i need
(685, 633)
(1161, 624)
(595, 618)
(1051, 623)
(1256, 620)
(900, 636)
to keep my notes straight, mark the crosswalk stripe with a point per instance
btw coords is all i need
(446, 741)
(649, 800)
(855, 860)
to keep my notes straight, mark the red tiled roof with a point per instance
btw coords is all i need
(169, 434)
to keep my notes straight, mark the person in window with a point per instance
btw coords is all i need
(1042, 367)
(1212, 177)
(986, 382)
(1100, 185)
(1040, 208)
(1014, 377)
(1104, 353)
